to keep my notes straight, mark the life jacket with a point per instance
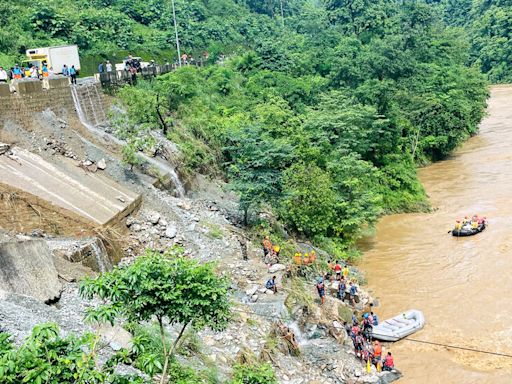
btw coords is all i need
(320, 287)
(474, 224)
(388, 361)
(375, 320)
(377, 350)
(270, 284)
(353, 290)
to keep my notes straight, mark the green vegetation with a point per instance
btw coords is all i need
(325, 119)
(254, 374)
(169, 288)
(47, 357)
(489, 26)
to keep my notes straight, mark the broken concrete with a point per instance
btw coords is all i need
(27, 268)
(67, 188)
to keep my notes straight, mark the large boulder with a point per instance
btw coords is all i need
(27, 268)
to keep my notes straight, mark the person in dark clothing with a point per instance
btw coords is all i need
(72, 74)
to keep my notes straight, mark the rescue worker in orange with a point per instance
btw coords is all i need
(377, 353)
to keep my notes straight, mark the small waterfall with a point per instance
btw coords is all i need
(294, 326)
(101, 256)
(93, 98)
(180, 189)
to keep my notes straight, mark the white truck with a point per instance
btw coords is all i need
(55, 57)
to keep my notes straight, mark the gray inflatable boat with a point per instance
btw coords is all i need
(399, 326)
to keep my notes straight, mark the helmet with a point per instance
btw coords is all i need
(366, 315)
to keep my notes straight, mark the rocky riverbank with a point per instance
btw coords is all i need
(205, 224)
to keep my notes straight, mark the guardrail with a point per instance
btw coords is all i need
(117, 78)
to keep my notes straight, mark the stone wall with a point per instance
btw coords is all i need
(55, 94)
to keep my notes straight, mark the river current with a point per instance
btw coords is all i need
(462, 285)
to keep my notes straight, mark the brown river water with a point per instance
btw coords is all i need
(462, 285)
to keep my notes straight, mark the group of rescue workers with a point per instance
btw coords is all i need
(366, 349)
(468, 223)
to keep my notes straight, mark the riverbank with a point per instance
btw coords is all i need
(458, 283)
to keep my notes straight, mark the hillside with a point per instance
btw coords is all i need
(306, 122)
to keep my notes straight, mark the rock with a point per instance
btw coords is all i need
(4, 148)
(116, 336)
(154, 217)
(251, 291)
(254, 298)
(92, 168)
(171, 231)
(87, 163)
(262, 290)
(28, 269)
(102, 164)
(269, 291)
(184, 205)
(136, 227)
(130, 221)
(276, 268)
(121, 199)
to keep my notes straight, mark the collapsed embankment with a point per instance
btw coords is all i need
(203, 225)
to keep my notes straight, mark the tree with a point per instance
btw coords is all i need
(255, 164)
(167, 287)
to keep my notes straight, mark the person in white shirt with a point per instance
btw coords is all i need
(109, 66)
(34, 72)
(3, 75)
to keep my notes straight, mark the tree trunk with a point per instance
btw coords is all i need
(166, 354)
(165, 128)
(178, 339)
(246, 216)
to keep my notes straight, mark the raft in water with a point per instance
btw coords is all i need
(468, 231)
(399, 326)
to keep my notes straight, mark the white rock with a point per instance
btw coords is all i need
(251, 291)
(171, 231)
(276, 268)
(269, 291)
(87, 163)
(136, 227)
(254, 298)
(262, 290)
(102, 164)
(154, 217)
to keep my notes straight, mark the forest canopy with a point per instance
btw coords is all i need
(324, 114)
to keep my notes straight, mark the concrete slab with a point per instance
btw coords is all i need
(92, 196)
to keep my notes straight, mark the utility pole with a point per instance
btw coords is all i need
(282, 13)
(176, 32)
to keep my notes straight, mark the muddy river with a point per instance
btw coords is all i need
(463, 285)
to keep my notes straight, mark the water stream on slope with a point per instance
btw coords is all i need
(161, 166)
(462, 285)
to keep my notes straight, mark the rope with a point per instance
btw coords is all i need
(457, 347)
(407, 339)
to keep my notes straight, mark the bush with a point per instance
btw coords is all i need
(254, 374)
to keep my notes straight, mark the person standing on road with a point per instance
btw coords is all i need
(72, 74)
(65, 70)
(109, 66)
(3, 75)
